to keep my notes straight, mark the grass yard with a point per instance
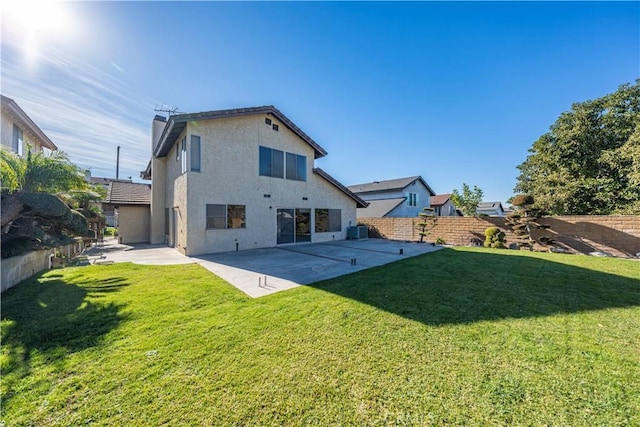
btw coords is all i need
(464, 336)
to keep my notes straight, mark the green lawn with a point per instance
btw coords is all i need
(458, 337)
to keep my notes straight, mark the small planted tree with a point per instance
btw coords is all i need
(494, 238)
(468, 200)
(428, 220)
(523, 222)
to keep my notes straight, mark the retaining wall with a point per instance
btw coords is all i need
(618, 235)
(18, 268)
(21, 267)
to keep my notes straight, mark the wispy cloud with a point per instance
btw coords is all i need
(86, 112)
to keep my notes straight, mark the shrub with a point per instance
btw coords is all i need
(494, 238)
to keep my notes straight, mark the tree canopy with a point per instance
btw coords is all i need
(32, 215)
(468, 200)
(589, 161)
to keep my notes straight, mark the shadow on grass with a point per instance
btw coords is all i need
(458, 287)
(51, 318)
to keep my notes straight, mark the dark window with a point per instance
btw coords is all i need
(183, 155)
(276, 127)
(296, 167)
(267, 120)
(18, 141)
(328, 220)
(216, 216)
(271, 162)
(226, 216)
(195, 153)
(235, 216)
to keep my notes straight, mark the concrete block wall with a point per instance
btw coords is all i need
(18, 268)
(618, 235)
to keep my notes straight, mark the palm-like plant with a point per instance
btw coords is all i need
(41, 172)
(32, 214)
(11, 170)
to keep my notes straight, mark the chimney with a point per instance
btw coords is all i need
(157, 127)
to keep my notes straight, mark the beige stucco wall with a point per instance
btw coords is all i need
(230, 175)
(16, 269)
(133, 224)
(6, 134)
(158, 200)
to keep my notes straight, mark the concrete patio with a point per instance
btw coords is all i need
(260, 272)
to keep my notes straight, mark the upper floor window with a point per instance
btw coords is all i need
(183, 155)
(412, 199)
(296, 167)
(195, 153)
(18, 141)
(271, 162)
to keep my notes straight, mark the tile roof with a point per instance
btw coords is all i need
(177, 123)
(359, 202)
(388, 185)
(128, 193)
(379, 208)
(439, 199)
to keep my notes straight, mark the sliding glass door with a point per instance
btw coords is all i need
(294, 225)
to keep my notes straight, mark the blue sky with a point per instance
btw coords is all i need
(453, 91)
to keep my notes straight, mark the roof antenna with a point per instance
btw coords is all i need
(163, 108)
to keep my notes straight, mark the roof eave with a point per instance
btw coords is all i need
(359, 202)
(33, 127)
(169, 137)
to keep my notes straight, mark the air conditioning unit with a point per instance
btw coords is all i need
(358, 232)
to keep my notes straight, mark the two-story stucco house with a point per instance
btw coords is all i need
(241, 179)
(19, 131)
(395, 198)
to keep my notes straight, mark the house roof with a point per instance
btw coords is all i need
(128, 193)
(176, 124)
(489, 206)
(440, 199)
(359, 202)
(388, 185)
(146, 173)
(105, 181)
(380, 207)
(26, 121)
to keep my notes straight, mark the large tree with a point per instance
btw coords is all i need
(589, 161)
(32, 216)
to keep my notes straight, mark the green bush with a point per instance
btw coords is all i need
(494, 238)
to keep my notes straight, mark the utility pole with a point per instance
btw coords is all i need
(118, 163)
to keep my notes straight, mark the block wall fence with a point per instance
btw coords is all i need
(617, 235)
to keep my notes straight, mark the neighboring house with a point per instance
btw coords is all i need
(443, 206)
(131, 204)
(395, 198)
(107, 209)
(490, 209)
(19, 131)
(241, 179)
